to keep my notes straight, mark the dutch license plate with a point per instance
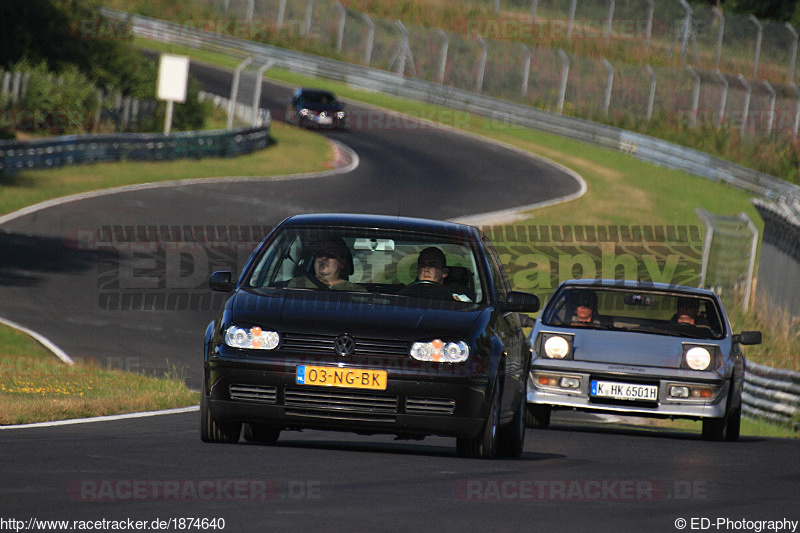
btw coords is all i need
(624, 391)
(351, 378)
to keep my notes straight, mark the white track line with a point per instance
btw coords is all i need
(44, 341)
(104, 418)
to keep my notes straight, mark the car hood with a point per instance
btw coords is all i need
(624, 347)
(356, 315)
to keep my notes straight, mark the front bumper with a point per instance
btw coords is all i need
(445, 401)
(664, 407)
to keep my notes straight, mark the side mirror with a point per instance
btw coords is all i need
(748, 337)
(221, 282)
(521, 302)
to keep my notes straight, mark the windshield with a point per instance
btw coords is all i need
(318, 97)
(366, 260)
(662, 313)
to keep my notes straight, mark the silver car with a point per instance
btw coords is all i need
(642, 349)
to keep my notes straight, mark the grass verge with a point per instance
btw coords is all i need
(37, 387)
(294, 151)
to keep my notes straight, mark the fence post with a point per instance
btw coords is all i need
(564, 76)
(652, 97)
(705, 217)
(796, 111)
(250, 8)
(746, 106)
(687, 28)
(482, 66)
(722, 99)
(442, 56)
(573, 4)
(340, 28)
(609, 85)
(370, 38)
(650, 10)
(257, 90)
(281, 13)
(535, 8)
(526, 69)
(309, 12)
(793, 60)
(757, 55)
(15, 86)
(609, 20)
(772, 97)
(748, 284)
(235, 90)
(695, 94)
(720, 33)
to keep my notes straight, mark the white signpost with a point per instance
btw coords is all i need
(173, 77)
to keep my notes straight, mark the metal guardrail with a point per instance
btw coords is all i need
(78, 149)
(772, 394)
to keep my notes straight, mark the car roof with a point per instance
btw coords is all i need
(396, 223)
(637, 285)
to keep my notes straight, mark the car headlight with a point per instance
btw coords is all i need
(303, 112)
(252, 338)
(340, 114)
(698, 358)
(556, 347)
(440, 351)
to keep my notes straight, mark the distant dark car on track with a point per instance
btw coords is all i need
(642, 349)
(381, 350)
(315, 108)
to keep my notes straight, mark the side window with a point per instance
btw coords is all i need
(498, 273)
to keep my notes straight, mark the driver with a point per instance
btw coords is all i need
(432, 268)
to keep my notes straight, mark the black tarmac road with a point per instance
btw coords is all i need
(582, 475)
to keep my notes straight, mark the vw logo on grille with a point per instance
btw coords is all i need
(344, 345)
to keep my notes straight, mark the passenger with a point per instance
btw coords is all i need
(585, 304)
(333, 264)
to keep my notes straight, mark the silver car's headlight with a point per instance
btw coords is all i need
(440, 351)
(554, 345)
(252, 338)
(698, 358)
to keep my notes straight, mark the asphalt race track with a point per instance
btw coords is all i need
(581, 475)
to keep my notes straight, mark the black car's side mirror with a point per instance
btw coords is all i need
(521, 302)
(221, 282)
(748, 337)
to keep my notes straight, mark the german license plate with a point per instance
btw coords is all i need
(351, 378)
(624, 391)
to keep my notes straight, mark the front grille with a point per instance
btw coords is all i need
(313, 344)
(340, 401)
(253, 393)
(434, 406)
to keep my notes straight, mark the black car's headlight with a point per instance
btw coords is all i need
(439, 351)
(252, 338)
(700, 357)
(340, 114)
(554, 346)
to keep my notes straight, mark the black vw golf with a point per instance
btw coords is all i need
(374, 325)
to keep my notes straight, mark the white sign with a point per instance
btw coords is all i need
(173, 76)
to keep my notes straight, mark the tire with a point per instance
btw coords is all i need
(265, 433)
(727, 427)
(537, 416)
(213, 431)
(511, 438)
(484, 444)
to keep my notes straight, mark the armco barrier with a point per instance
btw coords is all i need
(77, 149)
(772, 393)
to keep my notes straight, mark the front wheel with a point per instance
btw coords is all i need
(213, 431)
(511, 439)
(537, 416)
(484, 444)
